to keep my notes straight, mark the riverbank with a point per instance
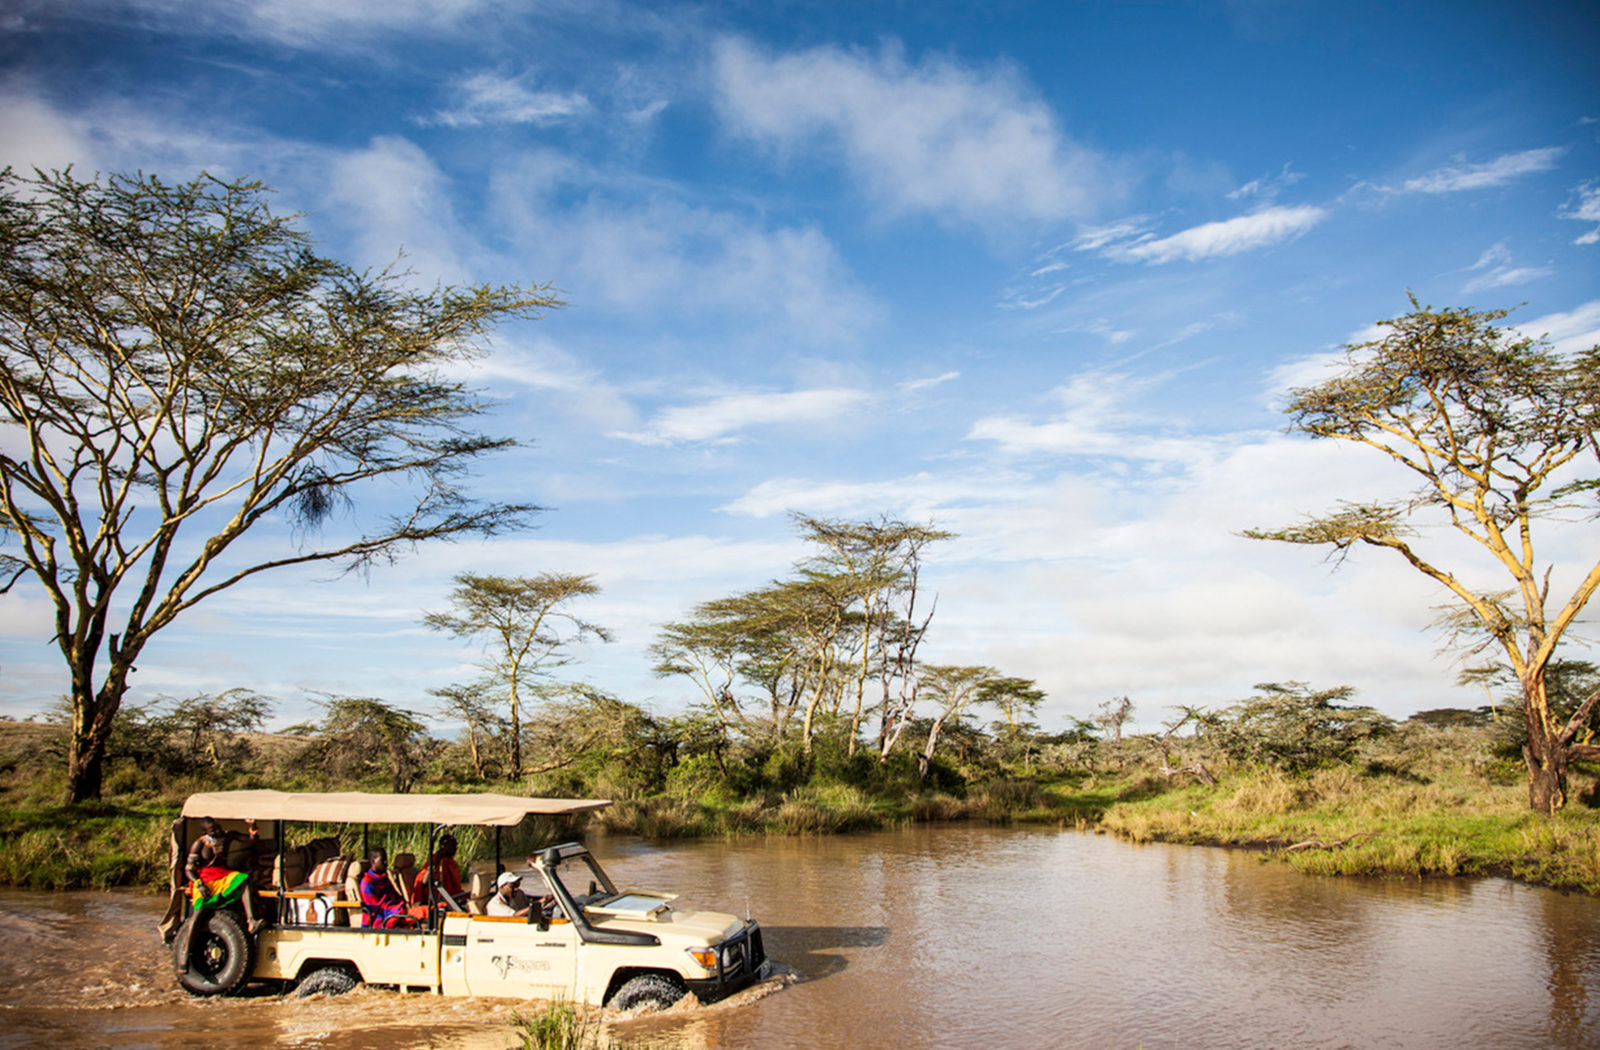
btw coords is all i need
(1335, 821)
(1440, 803)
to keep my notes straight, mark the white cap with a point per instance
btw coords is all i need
(505, 878)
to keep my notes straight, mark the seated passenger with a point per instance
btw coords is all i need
(213, 884)
(446, 874)
(381, 904)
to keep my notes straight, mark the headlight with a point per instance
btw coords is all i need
(706, 957)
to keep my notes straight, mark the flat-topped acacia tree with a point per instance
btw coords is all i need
(1501, 432)
(178, 368)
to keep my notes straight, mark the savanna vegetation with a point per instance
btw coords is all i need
(185, 371)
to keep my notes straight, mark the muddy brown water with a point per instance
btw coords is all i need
(948, 937)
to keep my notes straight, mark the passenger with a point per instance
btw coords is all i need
(212, 883)
(381, 904)
(446, 874)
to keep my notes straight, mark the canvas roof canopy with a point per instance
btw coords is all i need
(361, 807)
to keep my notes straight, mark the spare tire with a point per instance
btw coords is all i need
(214, 955)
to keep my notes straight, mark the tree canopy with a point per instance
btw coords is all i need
(179, 368)
(1500, 432)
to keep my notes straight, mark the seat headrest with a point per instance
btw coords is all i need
(404, 860)
(482, 884)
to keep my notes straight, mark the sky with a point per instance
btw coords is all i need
(1040, 274)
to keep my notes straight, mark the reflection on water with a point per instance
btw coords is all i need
(936, 937)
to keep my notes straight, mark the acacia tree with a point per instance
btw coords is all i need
(879, 561)
(953, 689)
(527, 632)
(1500, 432)
(178, 368)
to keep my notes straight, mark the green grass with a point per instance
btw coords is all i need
(1376, 824)
(558, 1026)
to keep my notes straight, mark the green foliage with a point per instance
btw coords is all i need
(560, 1025)
(175, 358)
(1292, 727)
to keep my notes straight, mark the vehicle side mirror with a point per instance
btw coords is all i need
(594, 887)
(552, 858)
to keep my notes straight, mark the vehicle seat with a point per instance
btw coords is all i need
(352, 892)
(482, 889)
(403, 873)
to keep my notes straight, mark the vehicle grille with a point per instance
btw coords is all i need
(742, 953)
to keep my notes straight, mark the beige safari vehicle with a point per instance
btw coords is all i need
(591, 942)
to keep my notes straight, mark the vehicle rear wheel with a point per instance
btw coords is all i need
(215, 955)
(647, 988)
(327, 980)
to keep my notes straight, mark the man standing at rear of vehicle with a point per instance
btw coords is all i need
(212, 883)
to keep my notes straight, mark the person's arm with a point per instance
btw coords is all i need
(191, 866)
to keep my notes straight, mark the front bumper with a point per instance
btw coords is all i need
(739, 962)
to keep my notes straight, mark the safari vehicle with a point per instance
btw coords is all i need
(594, 943)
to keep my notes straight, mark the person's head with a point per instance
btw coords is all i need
(447, 846)
(210, 828)
(378, 860)
(506, 883)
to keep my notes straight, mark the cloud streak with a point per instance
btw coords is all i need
(1213, 240)
(722, 418)
(1497, 172)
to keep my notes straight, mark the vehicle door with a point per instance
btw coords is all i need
(513, 958)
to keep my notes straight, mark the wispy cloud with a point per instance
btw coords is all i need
(1092, 422)
(1266, 187)
(1586, 209)
(721, 418)
(494, 98)
(1496, 270)
(1259, 229)
(1497, 172)
(910, 385)
(933, 137)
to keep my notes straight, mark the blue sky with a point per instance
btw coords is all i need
(1038, 273)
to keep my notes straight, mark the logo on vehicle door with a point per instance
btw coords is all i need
(506, 963)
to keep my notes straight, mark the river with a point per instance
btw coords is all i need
(934, 937)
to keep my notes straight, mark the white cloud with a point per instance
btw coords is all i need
(1496, 172)
(1267, 187)
(542, 366)
(721, 418)
(1092, 422)
(392, 196)
(33, 134)
(1569, 331)
(1587, 209)
(639, 249)
(933, 137)
(1229, 237)
(493, 98)
(910, 385)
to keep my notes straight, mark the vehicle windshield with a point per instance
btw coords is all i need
(576, 873)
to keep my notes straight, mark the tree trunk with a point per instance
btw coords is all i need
(1546, 755)
(1547, 775)
(92, 716)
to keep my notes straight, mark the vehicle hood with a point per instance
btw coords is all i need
(700, 927)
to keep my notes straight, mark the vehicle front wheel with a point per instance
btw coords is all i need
(647, 988)
(215, 956)
(328, 980)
